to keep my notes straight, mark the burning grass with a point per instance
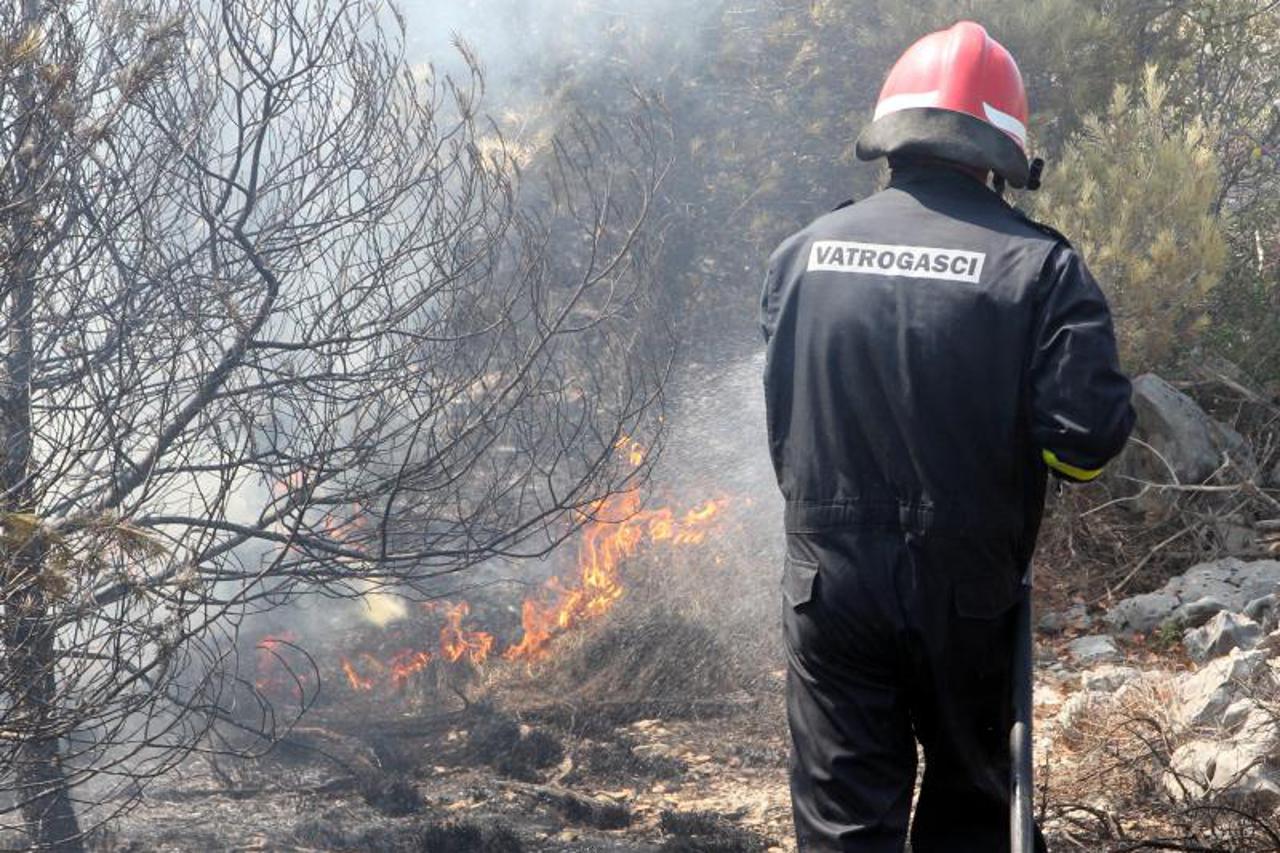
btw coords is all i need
(645, 656)
(452, 644)
(546, 710)
(619, 529)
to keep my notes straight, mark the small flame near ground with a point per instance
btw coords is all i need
(598, 585)
(616, 529)
(283, 668)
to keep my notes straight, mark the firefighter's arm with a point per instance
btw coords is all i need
(771, 293)
(1080, 401)
(768, 302)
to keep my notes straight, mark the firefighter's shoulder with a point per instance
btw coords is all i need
(815, 229)
(1043, 228)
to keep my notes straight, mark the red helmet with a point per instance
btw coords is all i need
(955, 95)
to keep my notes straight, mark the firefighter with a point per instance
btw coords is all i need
(933, 356)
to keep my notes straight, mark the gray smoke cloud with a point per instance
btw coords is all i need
(527, 44)
(715, 443)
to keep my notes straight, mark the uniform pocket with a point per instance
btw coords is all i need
(798, 577)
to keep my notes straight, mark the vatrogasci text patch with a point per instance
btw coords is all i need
(905, 261)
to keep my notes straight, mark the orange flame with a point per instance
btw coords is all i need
(617, 530)
(271, 671)
(632, 449)
(283, 671)
(357, 681)
(405, 663)
(394, 673)
(457, 642)
(605, 545)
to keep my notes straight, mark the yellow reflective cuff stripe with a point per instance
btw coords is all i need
(1082, 474)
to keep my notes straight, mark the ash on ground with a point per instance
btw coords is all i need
(617, 744)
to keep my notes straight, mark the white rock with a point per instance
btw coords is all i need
(1179, 430)
(1079, 706)
(1143, 613)
(1242, 765)
(1207, 693)
(1179, 443)
(1262, 610)
(1094, 649)
(1226, 584)
(1047, 695)
(1109, 678)
(1237, 714)
(1200, 611)
(1056, 621)
(1224, 632)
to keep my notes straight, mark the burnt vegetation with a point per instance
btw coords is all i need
(311, 347)
(278, 324)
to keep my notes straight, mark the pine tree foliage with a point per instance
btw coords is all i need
(1135, 190)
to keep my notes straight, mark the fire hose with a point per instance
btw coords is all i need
(1021, 820)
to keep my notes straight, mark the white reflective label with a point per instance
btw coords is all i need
(904, 261)
(1007, 123)
(906, 101)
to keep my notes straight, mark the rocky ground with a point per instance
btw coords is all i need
(1167, 706)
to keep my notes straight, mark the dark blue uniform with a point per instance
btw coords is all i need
(933, 354)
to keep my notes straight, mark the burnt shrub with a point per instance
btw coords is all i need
(503, 744)
(460, 836)
(707, 832)
(601, 815)
(616, 761)
(645, 656)
(321, 832)
(393, 796)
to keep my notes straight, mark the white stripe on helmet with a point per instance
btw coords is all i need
(1007, 123)
(907, 101)
(915, 100)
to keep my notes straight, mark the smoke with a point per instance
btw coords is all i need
(717, 440)
(715, 444)
(530, 46)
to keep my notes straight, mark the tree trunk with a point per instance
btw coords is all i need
(41, 784)
(26, 627)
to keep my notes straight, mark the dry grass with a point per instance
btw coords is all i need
(1109, 786)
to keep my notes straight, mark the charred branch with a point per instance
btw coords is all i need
(278, 323)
